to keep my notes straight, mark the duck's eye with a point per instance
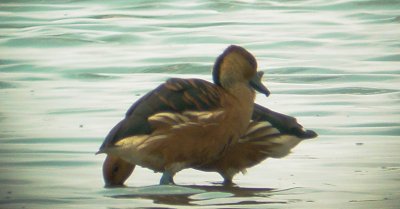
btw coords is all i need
(115, 169)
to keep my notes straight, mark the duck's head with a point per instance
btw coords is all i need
(116, 171)
(236, 64)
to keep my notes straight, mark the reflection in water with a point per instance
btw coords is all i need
(201, 195)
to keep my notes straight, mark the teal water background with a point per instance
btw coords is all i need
(70, 69)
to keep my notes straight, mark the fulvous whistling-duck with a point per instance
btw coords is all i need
(196, 121)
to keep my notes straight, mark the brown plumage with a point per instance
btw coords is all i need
(261, 141)
(222, 138)
(189, 122)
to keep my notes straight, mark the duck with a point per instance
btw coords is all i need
(187, 123)
(269, 134)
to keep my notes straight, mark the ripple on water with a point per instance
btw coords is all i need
(341, 91)
(7, 85)
(49, 140)
(387, 58)
(185, 68)
(371, 17)
(304, 70)
(24, 67)
(49, 41)
(352, 79)
(89, 76)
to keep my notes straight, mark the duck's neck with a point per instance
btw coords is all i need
(244, 97)
(243, 92)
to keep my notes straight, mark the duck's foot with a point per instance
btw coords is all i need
(167, 179)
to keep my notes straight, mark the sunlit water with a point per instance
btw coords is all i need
(70, 69)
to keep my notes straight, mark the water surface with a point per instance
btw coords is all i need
(70, 69)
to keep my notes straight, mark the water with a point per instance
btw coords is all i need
(70, 69)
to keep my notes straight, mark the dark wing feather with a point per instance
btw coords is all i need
(284, 123)
(175, 95)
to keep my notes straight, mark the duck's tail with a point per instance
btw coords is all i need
(268, 141)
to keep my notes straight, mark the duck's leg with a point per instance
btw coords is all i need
(167, 178)
(227, 179)
(228, 182)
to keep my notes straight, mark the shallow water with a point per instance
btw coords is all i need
(70, 69)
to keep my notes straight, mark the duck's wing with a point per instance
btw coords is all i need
(266, 141)
(270, 134)
(174, 96)
(284, 123)
(262, 140)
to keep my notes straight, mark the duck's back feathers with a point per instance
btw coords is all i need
(177, 95)
(174, 96)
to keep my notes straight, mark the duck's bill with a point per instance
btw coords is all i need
(257, 85)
